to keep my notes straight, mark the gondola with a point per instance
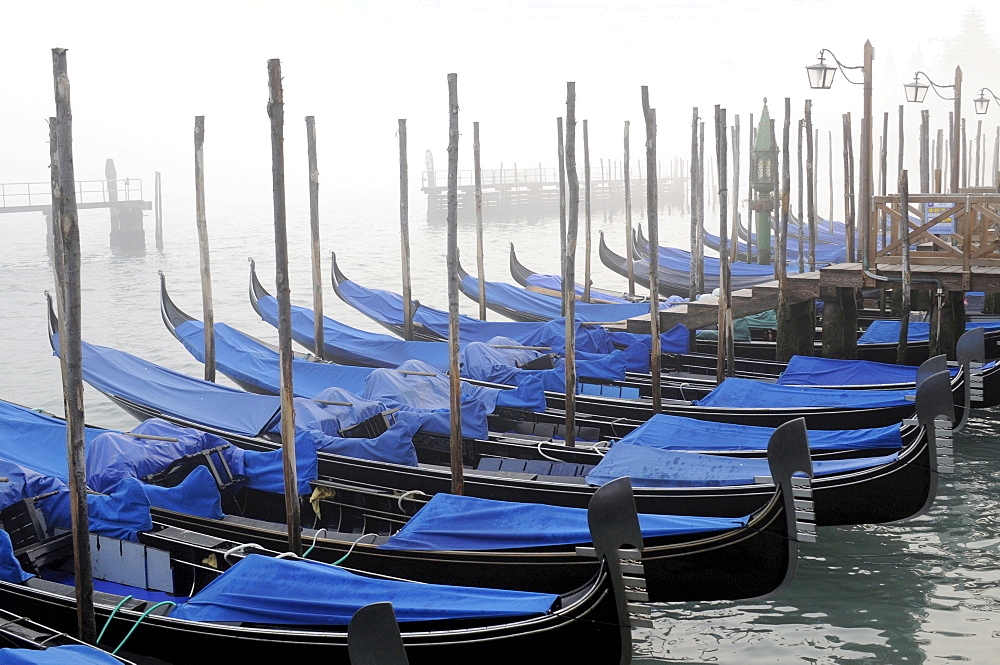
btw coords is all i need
(492, 544)
(552, 284)
(878, 489)
(253, 365)
(816, 417)
(25, 641)
(277, 607)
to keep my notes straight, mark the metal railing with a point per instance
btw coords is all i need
(26, 194)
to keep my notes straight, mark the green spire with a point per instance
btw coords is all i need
(765, 140)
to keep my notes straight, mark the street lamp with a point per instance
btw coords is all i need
(821, 77)
(982, 102)
(916, 91)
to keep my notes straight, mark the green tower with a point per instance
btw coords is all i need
(763, 181)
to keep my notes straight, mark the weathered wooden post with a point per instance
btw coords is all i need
(404, 231)
(965, 160)
(925, 151)
(70, 346)
(455, 441)
(849, 208)
(810, 186)
(276, 112)
(725, 350)
(829, 136)
(751, 140)
(480, 268)
(783, 312)
(900, 141)
(800, 210)
(569, 263)
(695, 193)
(904, 315)
(629, 256)
(158, 211)
(317, 262)
(737, 224)
(561, 149)
(652, 221)
(979, 148)
(700, 228)
(208, 313)
(956, 139)
(586, 214)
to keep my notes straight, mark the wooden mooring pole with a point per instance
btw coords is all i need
(404, 231)
(652, 194)
(480, 268)
(800, 209)
(904, 315)
(208, 313)
(925, 151)
(317, 261)
(276, 113)
(736, 187)
(849, 202)
(629, 257)
(455, 379)
(725, 350)
(569, 263)
(695, 189)
(158, 211)
(810, 185)
(561, 150)
(70, 348)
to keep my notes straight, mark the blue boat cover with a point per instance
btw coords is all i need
(550, 307)
(10, 568)
(70, 654)
(735, 392)
(811, 371)
(387, 307)
(825, 252)
(121, 374)
(679, 433)
(267, 590)
(554, 283)
(638, 347)
(343, 341)
(680, 259)
(882, 331)
(464, 523)
(653, 467)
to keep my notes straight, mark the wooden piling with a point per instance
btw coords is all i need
(810, 188)
(569, 263)
(404, 231)
(455, 383)
(70, 348)
(652, 221)
(700, 228)
(586, 214)
(904, 316)
(925, 151)
(736, 188)
(317, 261)
(801, 201)
(158, 211)
(829, 136)
(752, 136)
(629, 256)
(849, 189)
(979, 149)
(725, 363)
(965, 158)
(276, 113)
(900, 141)
(561, 149)
(785, 344)
(480, 267)
(693, 178)
(208, 314)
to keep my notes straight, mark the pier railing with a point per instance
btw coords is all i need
(37, 195)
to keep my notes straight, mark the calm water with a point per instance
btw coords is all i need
(923, 591)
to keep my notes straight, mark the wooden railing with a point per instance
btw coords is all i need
(945, 229)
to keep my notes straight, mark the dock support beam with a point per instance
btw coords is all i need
(840, 324)
(796, 330)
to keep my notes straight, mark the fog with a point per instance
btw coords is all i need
(140, 72)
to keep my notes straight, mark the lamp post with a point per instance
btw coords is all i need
(916, 91)
(821, 77)
(982, 102)
(763, 171)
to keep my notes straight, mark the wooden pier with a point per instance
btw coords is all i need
(121, 197)
(517, 190)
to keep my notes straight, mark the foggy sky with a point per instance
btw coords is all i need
(140, 72)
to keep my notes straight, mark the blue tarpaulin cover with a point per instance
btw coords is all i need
(550, 307)
(262, 589)
(679, 433)
(464, 523)
(124, 375)
(554, 283)
(810, 371)
(387, 307)
(652, 467)
(10, 569)
(746, 393)
(70, 654)
(883, 331)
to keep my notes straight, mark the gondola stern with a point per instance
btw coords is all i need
(171, 314)
(257, 290)
(936, 413)
(373, 637)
